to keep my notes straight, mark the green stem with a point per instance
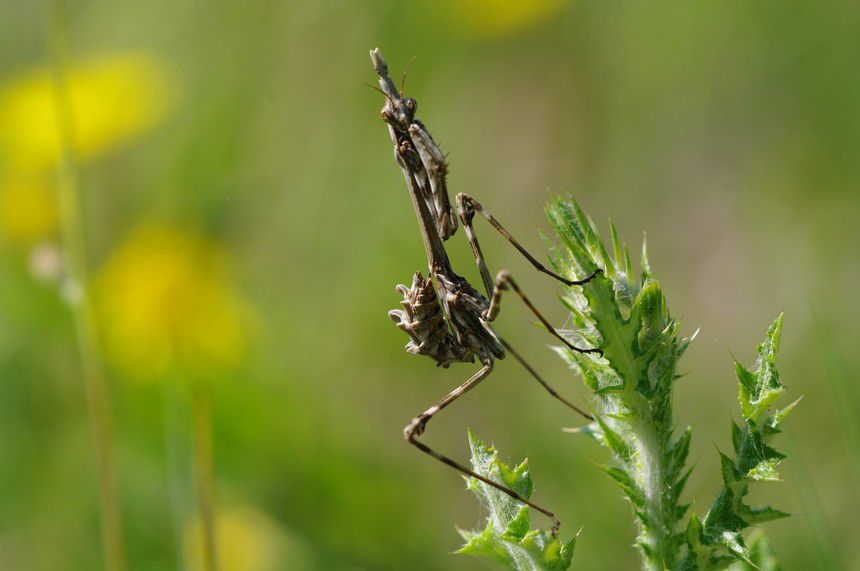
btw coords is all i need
(175, 452)
(657, 534)
(201, 413)
(78, 296)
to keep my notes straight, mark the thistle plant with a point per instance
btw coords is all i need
(507, 538)
(632, 384)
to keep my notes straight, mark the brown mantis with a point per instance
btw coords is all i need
(446, 318)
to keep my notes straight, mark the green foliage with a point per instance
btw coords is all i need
(507, 539)
(718, 538)
(762, 556)
(629, 320)
(633, 380)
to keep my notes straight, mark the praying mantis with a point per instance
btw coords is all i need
(446, 318)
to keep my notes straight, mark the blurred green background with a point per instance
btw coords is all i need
(246, 225)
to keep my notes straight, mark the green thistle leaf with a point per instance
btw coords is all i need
(760, 387)
(761, 555)
(508, 540)
(755, 460)
(614, 441)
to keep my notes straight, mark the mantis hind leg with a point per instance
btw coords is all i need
(413, 431)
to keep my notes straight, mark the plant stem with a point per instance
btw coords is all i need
(201, 412)
(651, 451)
(175, 452)
(78, 296)
(647, 435)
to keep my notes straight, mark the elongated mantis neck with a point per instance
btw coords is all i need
(437, 258)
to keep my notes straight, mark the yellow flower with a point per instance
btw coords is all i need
(248, 540)
(28, 207)
(165, 304)
(498, 18)
(113, 97)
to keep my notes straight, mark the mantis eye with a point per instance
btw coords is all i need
(411, 104)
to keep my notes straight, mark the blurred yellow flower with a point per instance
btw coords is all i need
(498, 18)
(248, 540)
(114, 98)
(28, 207)
(165, 304)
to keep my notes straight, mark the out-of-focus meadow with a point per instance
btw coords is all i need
(245, 226)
